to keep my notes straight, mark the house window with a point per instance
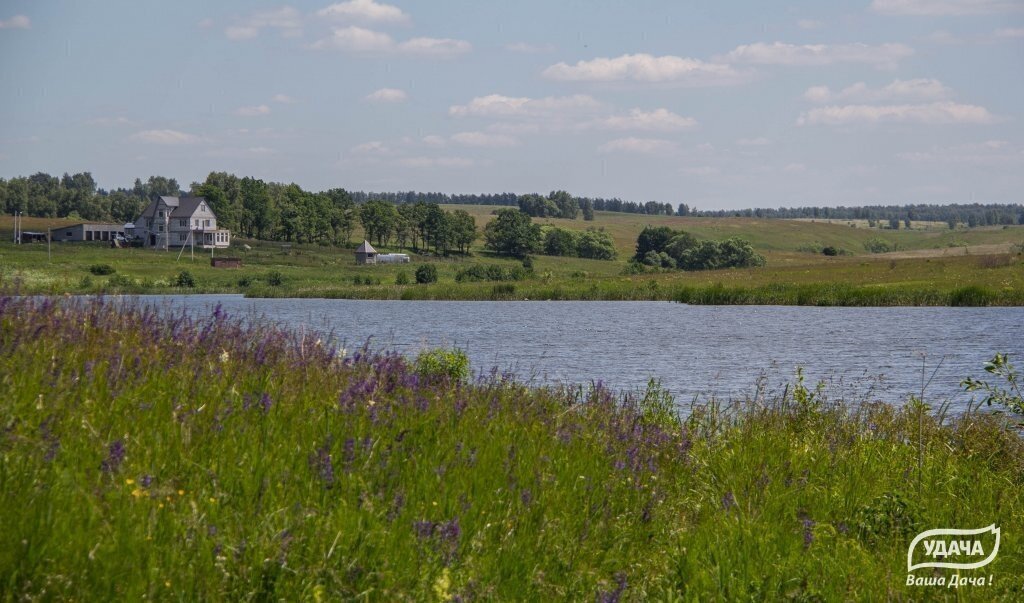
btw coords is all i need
(202, 207)
(207, 223)
(181, 236)
(161, 228)
(149, 222)
(197, 222)
(68, 233)
(161, 214)
(183, 222)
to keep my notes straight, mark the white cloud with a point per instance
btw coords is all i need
(809, 24)
(483, 139)
(496, 105)
(753, 142)
(366, 11)
(436, 47)
(362, 40)
(16, 22)
(916, 89)
(935, 8)
(374, 147)
(285, 19)
(433, 140)
(438, 162)
(255, 111)
(387, 95)
(658, 120)
(356, 39)
(638, 145)
(283, 99)
(645, 68)
(781, 53)
(205, 23)
(933, 113)
(527, 48)
(1010, 32)
(167, 137)
(987, 153)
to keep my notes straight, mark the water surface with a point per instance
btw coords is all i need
(725, 351)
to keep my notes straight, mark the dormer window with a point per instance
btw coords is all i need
(202, 207)
(161, 214)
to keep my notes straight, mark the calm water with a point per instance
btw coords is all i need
(863, 353)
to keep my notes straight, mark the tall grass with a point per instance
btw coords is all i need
(147, 454)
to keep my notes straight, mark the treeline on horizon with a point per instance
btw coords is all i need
(285, 211)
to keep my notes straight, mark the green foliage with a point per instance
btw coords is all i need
(880, 245)
(427, 273)
(1009, 397)
(443, 364)
(560, 241)
(829, 250)
(652, 238)
(274, 278)
(491, 272)
(596, 244)
(402, 278)
(888, 518)
(512, 233)
(714, 255)
(102, 269)
(185, 279)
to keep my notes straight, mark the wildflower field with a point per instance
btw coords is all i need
(153, 455)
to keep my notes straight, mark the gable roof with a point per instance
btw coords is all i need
(181, 207)
(366, 248)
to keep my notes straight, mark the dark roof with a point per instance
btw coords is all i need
(366, 248)
(183, 207)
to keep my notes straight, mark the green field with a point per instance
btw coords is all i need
(978, 266)
(160, 457)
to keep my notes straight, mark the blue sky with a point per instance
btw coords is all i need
(716, 104)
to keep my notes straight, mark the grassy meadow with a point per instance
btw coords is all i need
(930, 266)
(148, 455)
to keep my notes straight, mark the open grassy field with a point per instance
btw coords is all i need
(933, 267)
(161, 457)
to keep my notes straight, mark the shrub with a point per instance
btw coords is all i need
(85, 283)
(596, 244)
(402, 278)
(185, 279)
(450, 365)
(427, 273)
(561, 242)
(879, 245)
(491, 272)
(102, 269)
(830, 250)
(120, 281)
(275, 278)
(246, 281)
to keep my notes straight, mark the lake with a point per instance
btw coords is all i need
(722, 351)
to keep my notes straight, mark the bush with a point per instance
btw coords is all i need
(246, 281)
(185, 279)
(444, 365)
(427, 273)
(402, 278)
(102, 269)
(879, 245)
(560, 242)
(85, 283)
(596, 244)
(830, 250)
(275, 278)
(120, 281)
(491, 272)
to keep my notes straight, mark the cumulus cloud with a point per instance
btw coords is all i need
(283, 99)
(254, 111)
(286, 19)
(658, 120)
(433, 140)
(753, 142)
(916, 89)
(373, 147)
(497, 105)
(645, 68)
(387, 95)
(781, 53)
(936, 8)
(365, 11)
(1010, 32)
(16, 22)
(987, 153)
(483, 139)
(205, 23)
(933, 113)
(166, 137)
(638, 145)
(362, 40)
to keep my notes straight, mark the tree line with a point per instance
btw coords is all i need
(953, 214)
(667, 248)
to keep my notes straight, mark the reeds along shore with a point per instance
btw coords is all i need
(151, 454)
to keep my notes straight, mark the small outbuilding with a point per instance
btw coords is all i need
(88, 232)
(366, 254)
(33, 237)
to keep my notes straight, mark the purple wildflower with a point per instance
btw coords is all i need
(265, 402)
(616, 595)
(808, 532)
(320, 461)
(115, 456)
(728, 501)
(146, 481)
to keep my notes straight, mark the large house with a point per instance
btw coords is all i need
(172, 222)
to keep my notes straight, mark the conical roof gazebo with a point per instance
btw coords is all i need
(366, 254)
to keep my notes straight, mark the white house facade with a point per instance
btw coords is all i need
(173, 222)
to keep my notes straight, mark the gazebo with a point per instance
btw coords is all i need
(366, 254)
